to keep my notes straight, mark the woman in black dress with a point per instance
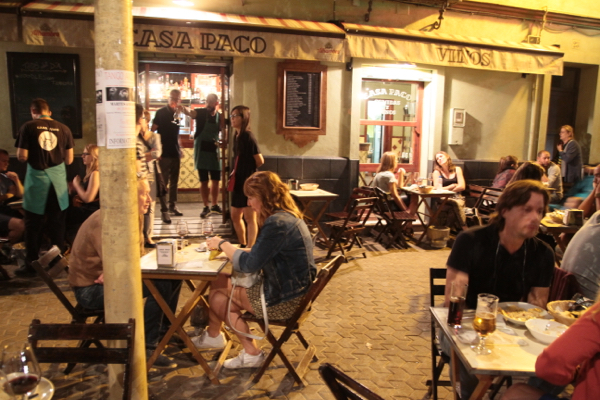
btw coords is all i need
(246, 160)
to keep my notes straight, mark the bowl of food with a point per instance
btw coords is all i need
(519, 313)
(560, 311)
(546, 331)
(309, 186)
(425, 189)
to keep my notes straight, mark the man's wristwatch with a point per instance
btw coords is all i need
(220, 243)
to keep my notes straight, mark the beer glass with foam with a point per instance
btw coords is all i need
(485, 320)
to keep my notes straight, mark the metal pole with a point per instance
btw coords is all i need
(118, 183)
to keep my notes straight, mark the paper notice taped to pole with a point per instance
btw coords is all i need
(119, 108)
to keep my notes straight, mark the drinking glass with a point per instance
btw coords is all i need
(4, 386)
(176, 118)
(22, 370)
(458, 294)
(485, 320)
(207, 229)
(182, 231)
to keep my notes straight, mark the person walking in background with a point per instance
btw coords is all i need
(167, 125)
(570, 154)
(553, 174)
(506, 170)
(148, 150)
(206, 152)
(246, 160)
(46, 145)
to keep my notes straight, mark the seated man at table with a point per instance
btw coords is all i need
(582, 255)
(504, 258)
(11, 221)
(87, 278)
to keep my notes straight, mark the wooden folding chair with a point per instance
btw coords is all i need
(86, 332)
(347, 230)
(50, 266)
(395, 221)
(438, 359)
(292, 326)
(343, 387)
(357, 193)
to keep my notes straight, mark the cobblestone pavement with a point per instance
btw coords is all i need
(372, 321)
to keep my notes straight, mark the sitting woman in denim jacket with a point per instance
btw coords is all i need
(283, 252)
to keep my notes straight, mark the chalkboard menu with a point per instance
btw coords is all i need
(302, 104)
(52, 77)
(301, 100)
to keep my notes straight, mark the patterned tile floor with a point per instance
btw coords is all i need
(371, 321)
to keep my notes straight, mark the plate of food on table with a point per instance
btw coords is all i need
(519, 313)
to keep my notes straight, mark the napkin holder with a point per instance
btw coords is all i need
(573, 217)
(166, 253)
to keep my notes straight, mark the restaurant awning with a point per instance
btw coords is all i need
(175, 30)
(9, 24)
(404, 45)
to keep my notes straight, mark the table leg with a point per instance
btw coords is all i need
(455, 373)
(485, 381)
(177, 325)
(423, 224)
(312, 220)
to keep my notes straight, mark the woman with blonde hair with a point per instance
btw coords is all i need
(283, 252)
(570, 155)
(86, 191)
(386, 180)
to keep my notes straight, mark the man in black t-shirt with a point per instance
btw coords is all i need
(170, 161)
(46, 145)
(504, 258)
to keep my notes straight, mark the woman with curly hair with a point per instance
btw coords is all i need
(283, 253)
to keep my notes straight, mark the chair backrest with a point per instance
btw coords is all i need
(48, 276)
(564, 285)
(322, 279)
(343, 387)
(49, 267)
(85, 332)
(474, 193)
(436, 289)
(360, 210)
(487, 201)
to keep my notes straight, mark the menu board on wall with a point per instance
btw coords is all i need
(52, 77)
(301, 100)
(302, 105)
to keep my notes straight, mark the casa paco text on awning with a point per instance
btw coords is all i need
(233, 35)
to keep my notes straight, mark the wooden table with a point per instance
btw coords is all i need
(306, 198)
(554, 229)
(203, 272)
(511, 355)
(443, 195)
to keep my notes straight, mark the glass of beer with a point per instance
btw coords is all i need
(458, 294)
(485, 320)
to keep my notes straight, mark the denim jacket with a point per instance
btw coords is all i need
(284, 252)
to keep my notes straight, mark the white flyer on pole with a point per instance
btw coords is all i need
(119, 108)
(100, 111)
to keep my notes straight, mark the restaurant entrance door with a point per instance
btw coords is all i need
(391, 118)
(195, 81)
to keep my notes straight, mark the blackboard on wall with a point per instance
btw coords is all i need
(302, 99)
(52, 77)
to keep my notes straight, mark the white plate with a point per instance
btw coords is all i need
(524, 306)
(43, 391)
(545, 331)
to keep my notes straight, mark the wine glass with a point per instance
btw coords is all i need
(182, 230)
(207, 229)
(485, 320)
(22, 370)
(4, 386)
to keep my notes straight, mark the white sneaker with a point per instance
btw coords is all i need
(244, 360)
(205, 341)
